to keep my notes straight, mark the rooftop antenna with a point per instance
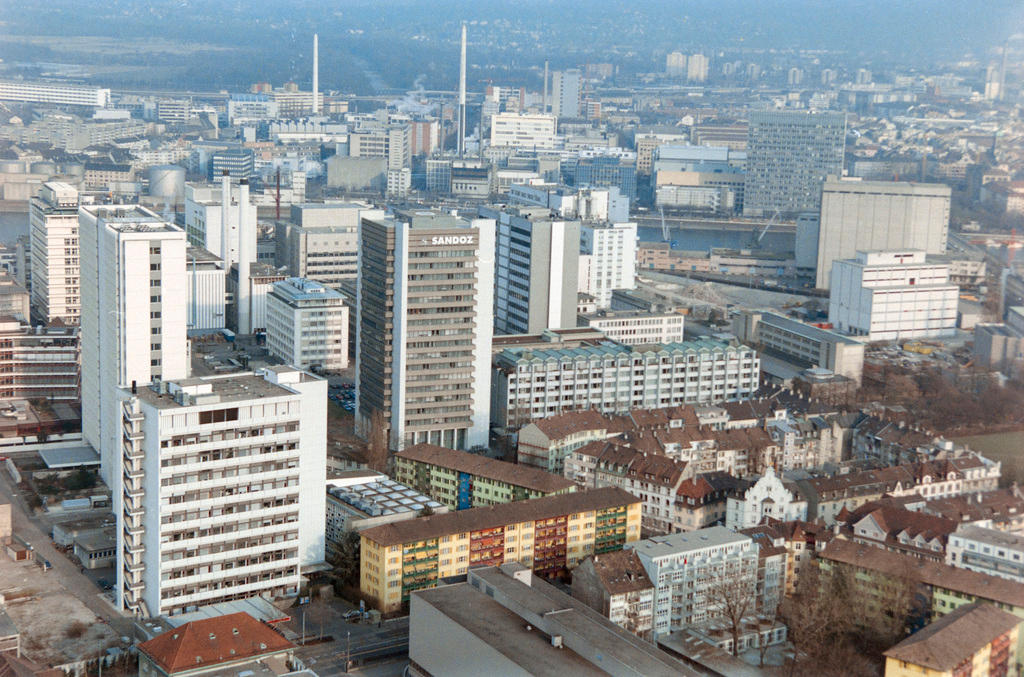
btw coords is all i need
(544, 101)
(462, 94)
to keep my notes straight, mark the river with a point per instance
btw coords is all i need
(12, 226)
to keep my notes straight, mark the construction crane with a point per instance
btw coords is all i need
(755, 239)
(664, 227)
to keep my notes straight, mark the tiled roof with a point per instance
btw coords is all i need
(482, 466)
(488, 517)
(954, 638)
(930, 573)
(621, 572)
(211, 641)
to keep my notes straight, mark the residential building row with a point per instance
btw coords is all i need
(548, 535)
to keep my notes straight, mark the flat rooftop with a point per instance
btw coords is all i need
(549, 612)
(806, 330)
(687, 541)
(69, 457)
(233, 388)
(991, 536)
(384, 497)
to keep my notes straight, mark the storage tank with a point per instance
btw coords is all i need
(12, 166)
(74, 169)
(167, 182)
(45, 167)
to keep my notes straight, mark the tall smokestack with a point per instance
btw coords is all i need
(462, 94)
(316, 74)
(244, 258)
(1002, 76)
(225, 217)
(544, 101)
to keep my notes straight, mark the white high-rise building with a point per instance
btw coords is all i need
(134, 316)
(525, 132)
(892, 295)
(565, 87)
(204, 221)
(222, 490)
(697, 68)
(307, 325)
(607, 260)
(53, 220)
(535, 268)
(877, 215)
(675, 64)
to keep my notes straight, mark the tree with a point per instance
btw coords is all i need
(377, 454)
(345, 561)
(733, 597)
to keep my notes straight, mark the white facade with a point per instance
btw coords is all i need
(878, 215)
(134, 319)
(697, 68)
(206, 290)
(68, 95)
(307, 325)
(565, 92)
(533, 384)
(535, 270)
(53, 223)
(611, 265)
(685, 569)
(988, 551)
(222, 490)
(892, 295)
(204, 221)
(634, 329)
(526, 132)
(321, 242)
(767, 498)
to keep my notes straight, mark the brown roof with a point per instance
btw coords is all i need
(621, 572)
(563, 425)
(894, 521)
(211, 641)
(488, 517)
(482, 466)
(934, 574)
(1000, 505)
(955, 637)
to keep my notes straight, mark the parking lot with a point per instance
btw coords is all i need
(343, 394)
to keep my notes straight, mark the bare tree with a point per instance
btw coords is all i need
(377, 454)
(733, 597)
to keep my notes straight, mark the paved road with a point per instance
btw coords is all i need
(36, 533)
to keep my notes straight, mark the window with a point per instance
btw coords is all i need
(218, 416)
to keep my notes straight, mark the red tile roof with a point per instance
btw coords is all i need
(211, 641)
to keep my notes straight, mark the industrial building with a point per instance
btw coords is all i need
(875, 216)
(506, 621)
(805, 344)
(636, 328)
(59, 94)
(892, 295)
